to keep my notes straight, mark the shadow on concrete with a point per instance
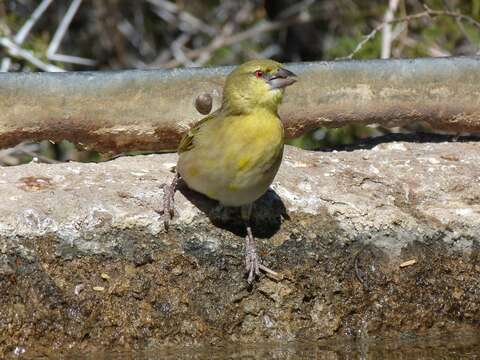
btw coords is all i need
(370, 143)
(267, 215)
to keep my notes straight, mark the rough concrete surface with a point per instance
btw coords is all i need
(85, 261)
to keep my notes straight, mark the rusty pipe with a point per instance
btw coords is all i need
(116, 111)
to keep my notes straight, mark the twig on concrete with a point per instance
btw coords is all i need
(427, 13)
(277, 276)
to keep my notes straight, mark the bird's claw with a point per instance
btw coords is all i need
(251, 263)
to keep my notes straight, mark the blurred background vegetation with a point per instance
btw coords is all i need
(56, 35)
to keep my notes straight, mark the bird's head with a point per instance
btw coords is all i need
(256, 83)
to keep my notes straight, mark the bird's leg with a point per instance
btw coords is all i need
(252, 262)
(251, 257)
(168, 201)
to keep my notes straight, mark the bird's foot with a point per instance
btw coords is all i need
(168, 210)
(252, 262)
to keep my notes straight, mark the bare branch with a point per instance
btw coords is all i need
(135, 38)
(226, 31)
(460, 26)
(427, 13)
(58, 37)
(295, 9)
(192, 23)
(387, 37)
(16, 51)
(177, 51)
(219, 42)
(6, 63)
(25, 30)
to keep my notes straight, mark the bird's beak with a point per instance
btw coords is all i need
(281, 79)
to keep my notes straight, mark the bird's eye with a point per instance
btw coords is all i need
(259, 73)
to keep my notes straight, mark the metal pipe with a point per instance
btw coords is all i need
(150, 109)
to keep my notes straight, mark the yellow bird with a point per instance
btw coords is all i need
(233, 154)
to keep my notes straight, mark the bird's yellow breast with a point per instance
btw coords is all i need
(234, 159)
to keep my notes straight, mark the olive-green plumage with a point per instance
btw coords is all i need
(233, 154)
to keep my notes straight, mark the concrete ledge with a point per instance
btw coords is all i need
(85, 261)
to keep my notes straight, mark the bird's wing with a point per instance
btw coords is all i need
(187, 141)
